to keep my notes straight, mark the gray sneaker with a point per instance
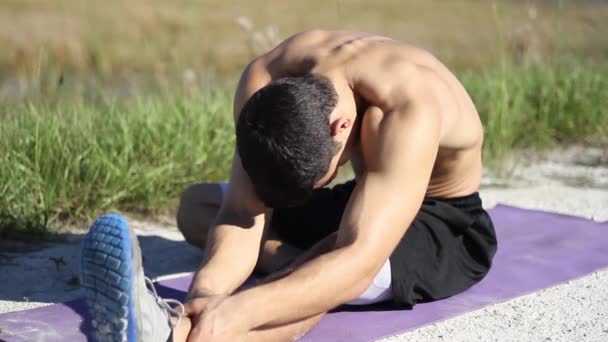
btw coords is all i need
(123, 304)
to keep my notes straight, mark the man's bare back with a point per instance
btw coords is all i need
(340, 55)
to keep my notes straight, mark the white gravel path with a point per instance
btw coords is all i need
(573, 311)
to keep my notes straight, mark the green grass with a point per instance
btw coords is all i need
(66, 162)
(74, 158)
(101, 105)
(539, 106)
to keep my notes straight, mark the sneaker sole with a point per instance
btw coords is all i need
(107, 277)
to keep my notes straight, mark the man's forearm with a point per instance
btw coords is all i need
(230, 257)
(317, 286)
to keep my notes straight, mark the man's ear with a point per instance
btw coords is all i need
(339, 125)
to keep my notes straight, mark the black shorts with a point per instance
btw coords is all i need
(448, 247)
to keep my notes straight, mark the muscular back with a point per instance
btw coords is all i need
(370, 66)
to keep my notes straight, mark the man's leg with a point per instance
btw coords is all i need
(448, 248)
(199, 205)
(181, 329)
(122, 302)
(286, 332)
(378, 291)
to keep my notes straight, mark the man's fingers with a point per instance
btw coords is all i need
(194, 310)
(194, 306)
(195, 333)
(188, 308)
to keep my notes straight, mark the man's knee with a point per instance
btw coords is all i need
(198, 206)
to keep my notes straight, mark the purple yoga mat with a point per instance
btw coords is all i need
(536, 250)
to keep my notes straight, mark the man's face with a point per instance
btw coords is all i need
(331, 174)
(341, 129)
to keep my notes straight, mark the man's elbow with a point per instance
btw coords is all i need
(365, 266)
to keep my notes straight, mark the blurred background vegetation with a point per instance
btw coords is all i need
(118, 105)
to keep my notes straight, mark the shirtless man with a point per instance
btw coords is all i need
(410, 228)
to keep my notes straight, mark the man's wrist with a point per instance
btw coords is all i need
(203, 286)
(201, 292)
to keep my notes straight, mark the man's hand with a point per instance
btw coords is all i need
(212, 322)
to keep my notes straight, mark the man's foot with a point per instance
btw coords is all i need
(121, 305)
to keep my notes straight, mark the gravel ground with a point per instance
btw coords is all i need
(572, 181)
(56, 265)
(573, 311)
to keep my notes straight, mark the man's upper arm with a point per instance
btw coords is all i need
(239, 224)
(241, 195)
(400, 139)
(254, 77)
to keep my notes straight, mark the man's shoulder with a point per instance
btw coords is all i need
(296, 43)
(308, 36)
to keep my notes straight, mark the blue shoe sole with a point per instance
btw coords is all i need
(107, 277)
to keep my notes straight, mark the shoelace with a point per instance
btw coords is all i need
(165, 304)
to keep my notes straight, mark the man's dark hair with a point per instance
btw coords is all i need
(284, 138)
